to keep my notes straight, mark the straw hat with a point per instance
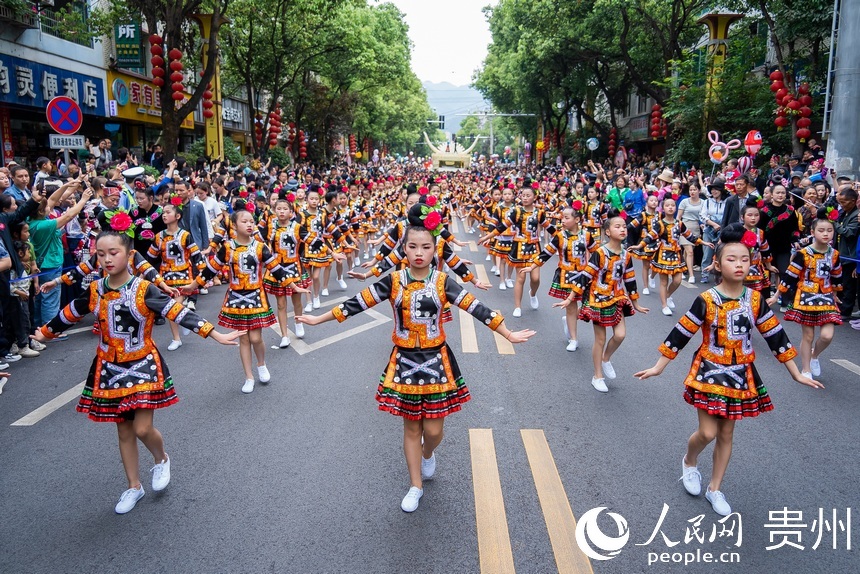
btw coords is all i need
(666, 175)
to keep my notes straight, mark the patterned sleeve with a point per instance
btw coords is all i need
(390, 261)
(836, 272)
(457, 295)
(154, 250)
(769, 327)
(630, 277)
(583, 280)
(456, 264)
(365, 299)
(270, 262)
(790, 277)
(391, 239)
(70, 314)
(143, 268)
(162, 304)
(83, 269)
(214, 265)
(684, 330)
(553, 246)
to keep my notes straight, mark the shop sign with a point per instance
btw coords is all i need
(59, 141)
(26, 83)
(129, 52)
(235, 115)
(136, 99)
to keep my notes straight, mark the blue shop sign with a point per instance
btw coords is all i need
(26, 83)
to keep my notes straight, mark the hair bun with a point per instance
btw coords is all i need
(732, 233)
(413, 217)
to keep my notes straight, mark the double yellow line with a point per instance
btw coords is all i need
(494, 543)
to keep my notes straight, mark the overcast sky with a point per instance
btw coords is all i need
(449, 38)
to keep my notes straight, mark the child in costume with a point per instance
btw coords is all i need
(422, 382)
(128, 379)
(723, 383)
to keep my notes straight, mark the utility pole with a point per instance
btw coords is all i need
(843, 143)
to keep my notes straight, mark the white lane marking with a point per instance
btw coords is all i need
(687, 285)
(456, 247)
(455, 224)
(473, 247)
(847, 365)
(504, 346)
(468, 337)
(49, 407)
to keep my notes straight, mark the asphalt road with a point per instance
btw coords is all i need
(304, 475)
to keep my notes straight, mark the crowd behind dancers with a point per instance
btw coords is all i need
(262, 230)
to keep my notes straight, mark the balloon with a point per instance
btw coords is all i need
(752, 143)
(592, 143)
(744, 164)
(719, 151)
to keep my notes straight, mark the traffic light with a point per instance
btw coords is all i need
(441, 122)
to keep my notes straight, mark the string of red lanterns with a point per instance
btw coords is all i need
(790, 105)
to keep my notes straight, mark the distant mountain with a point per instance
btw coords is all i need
(449, 100)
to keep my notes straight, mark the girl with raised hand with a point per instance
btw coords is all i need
(723, 383)
(128, 379)
(422, 382)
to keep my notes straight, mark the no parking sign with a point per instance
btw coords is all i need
(64, 115)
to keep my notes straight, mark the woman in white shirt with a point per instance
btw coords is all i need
(688, 213)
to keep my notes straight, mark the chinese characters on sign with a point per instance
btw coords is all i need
(128, 45)
(58, 141)
(786, 528)
(32, 84)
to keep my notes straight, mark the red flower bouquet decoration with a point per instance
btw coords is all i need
(749, 239)
(431, 200)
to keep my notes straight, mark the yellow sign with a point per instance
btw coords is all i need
(214, 126)
(133, 98)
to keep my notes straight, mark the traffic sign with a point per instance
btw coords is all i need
(59, 141)
(64, 115)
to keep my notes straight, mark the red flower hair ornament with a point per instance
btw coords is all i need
(121, 222)
(431, 200)
(749, 239)
(433, 222)
(577, 205)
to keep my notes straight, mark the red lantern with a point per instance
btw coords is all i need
(158, 72)
(776, 86)
(273, 142)
(780, 94)
(775, 75)
(656, 108)
(176, 77)
(207, 95)
(158, 61)
(175, 54)
(177, 87)
(805, 100)
(177, 96)
(803, 88)
(156, 50)
(805, 111)
(208, 113)
(208, 104)
(176, 65)
(654, 134)
(803, 134)
(781, 122)
(787, 100)
(794, 105)
(804, 122)
(155, 39)
(665, 133)
(159, 82)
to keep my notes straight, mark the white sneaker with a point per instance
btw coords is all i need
(497, 273)
(646, 291)
(324, 294)
(572, 345)
(670, 303)
(494, 270)
(128, 499)
(608, 369)
(533, 301)
(509, 283)
(248, 387)
(160, 475)
(263, 373)
(300, 331)
(309, 307)
(692, 478)
(27, 352)
(652, 282)
(342, 284)
(174, 345)
(410, 501)
(718, 502)
(285, 342)
(366, 256)
(814, 366)
(599, 385)
(667, 311)
(317, 299)
(428, 466)
(566, 330)
(517, 312)
(488, 258)
(36, 345)
(204, 291)
(503, 287)
(692, 280)
(191, 305)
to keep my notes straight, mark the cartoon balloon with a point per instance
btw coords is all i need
(752, 143)
(592, 143)
(744, 164)
(719, 151)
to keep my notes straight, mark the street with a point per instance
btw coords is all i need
(305, 475)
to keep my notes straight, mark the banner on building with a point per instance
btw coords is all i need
(26, 83)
